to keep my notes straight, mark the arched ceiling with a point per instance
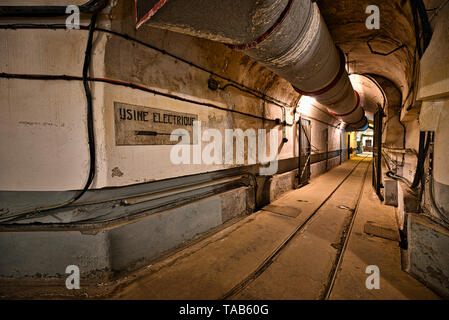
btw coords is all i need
(346, 22)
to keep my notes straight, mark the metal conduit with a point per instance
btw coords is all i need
(289, 37)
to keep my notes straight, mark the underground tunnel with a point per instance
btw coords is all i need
(224, 150)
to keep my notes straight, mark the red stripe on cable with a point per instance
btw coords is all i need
(150, 13)
(267, 33)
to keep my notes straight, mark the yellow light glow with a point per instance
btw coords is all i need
(305, 104)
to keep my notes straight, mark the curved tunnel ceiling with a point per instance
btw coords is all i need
(371, 96)
(346, 22)
(374, 91)
(388, 53)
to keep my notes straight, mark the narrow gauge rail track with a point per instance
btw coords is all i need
(346, 234)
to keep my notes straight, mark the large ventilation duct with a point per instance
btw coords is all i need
(287, 36)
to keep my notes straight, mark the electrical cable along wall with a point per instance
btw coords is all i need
(57, 88)
(93, 82)
(291, 59)
(65, 171)
(91, 7)
(308, 59)
(280, 16)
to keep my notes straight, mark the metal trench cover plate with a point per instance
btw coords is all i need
(283, 210)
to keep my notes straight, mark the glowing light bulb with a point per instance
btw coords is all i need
(305, 104)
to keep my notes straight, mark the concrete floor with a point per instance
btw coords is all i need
(213, 267)
(364, 250)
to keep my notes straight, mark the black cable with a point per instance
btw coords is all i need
(398, 47)
(419, 11)
(373, 80)
(263, 96)
(424, 143)
(256, 95)
(233, 83)
(416, 24)
(418, 50)
(162, 51)
(127, 37)
(442, 216)
(92, 27)
(425, 24)
(129, 85)
(90, 129)
(190, 63)
(392, 175)
(443, 3)
(418, 172)
(90, 117)
(418, 8)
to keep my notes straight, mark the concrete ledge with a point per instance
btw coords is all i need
(270, 188)
(120, 247)
(407, 203)
(428, 253)
(281, 183)
(24, 255)
(377, 230)
(319, 168)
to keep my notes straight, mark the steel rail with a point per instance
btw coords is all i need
(337, 266)
(269, 260)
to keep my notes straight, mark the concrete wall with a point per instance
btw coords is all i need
(52, 152)
(44, 143)
(427, 233)
(281, 183)
(44, 137)
(434, 95)
(325, 136)
(118, 247)
(428, 253)
(321, 167)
